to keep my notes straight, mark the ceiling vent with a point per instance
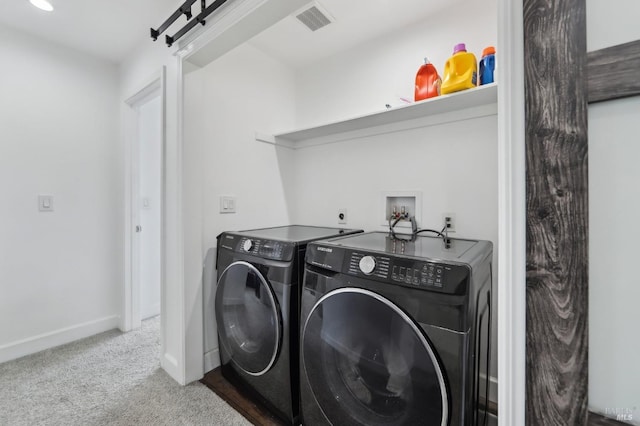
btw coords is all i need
(314, 17)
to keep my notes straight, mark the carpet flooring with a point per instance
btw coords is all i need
(112, 378)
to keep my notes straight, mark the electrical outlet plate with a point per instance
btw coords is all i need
(342, 216)
(449, 218)
(411, 200)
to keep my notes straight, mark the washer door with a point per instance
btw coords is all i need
(248, 317)
(368, 363)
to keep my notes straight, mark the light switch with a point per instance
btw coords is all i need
(227, 204)
(45, 203)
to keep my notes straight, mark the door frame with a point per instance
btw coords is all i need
(155, 86)
(511, 216)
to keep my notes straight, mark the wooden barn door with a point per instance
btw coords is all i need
(560, 80)
(555, 56)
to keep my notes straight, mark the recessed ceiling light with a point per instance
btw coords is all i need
(42, 4)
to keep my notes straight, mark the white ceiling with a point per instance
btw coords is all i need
(111, 29)
(106, 28)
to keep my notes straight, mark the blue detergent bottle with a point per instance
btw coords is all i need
(487, 65)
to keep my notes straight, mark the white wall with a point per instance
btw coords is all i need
(60, 271)
(245, 91)
(614, 209)
(453, 165)
(609, 24)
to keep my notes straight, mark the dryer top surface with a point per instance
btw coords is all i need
(423, 247)
(295, 233)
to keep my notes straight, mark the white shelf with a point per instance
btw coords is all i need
(478, 102)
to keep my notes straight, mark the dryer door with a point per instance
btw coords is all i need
(368, 363)
(248, 317)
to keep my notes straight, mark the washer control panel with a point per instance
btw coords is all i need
(368, 265)
(408, 272)
(422, 273)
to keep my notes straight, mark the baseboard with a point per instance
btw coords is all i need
(170, 365)
(55, 338)
(211, 360)
(151, 312)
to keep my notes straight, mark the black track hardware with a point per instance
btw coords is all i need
(185, 9)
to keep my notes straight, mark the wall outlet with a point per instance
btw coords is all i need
(342, 216)
(449, 221)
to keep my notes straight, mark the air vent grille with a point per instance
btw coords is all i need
(313, 18)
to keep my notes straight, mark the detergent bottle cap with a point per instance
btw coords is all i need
(460, 47)
(489, 50)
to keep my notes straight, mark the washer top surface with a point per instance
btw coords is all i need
(295, 233)
(422, 247)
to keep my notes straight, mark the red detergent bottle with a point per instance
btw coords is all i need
(427, 82)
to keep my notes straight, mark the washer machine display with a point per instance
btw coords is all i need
(395, 332)
(257, 311)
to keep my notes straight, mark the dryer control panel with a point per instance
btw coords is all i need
(266, 249)
(435, 276)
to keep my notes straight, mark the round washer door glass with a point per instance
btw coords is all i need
(248, 318)
(368, 363)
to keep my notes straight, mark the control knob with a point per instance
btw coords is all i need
(247, 245)
(367, 264)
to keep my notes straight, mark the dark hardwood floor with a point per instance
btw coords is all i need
(255, 413)
(259, 415)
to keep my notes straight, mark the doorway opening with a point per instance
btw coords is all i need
(144, 205)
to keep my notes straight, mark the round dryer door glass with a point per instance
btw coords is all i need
(368, 363)
(248, 318)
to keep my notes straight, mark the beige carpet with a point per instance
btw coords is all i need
(113, 378)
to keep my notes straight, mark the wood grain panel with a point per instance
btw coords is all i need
(557, 211)
(612, 73)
